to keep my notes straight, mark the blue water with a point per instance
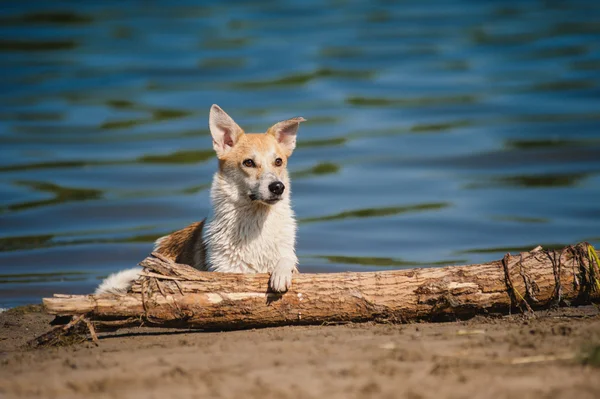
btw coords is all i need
(438, 132)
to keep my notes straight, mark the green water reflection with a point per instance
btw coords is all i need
(378, 212)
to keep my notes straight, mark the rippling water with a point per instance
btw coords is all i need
(439, 132)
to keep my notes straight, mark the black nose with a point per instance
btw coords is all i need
(276, 188)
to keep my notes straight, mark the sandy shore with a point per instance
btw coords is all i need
(499, 357)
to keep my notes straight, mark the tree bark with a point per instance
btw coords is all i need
(175, 295)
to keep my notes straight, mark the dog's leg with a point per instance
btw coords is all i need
(281, 276)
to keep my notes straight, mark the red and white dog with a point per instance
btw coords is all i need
(252, 229)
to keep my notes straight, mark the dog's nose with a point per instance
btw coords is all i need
(276, 188)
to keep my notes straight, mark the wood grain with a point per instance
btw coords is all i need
(175, 295)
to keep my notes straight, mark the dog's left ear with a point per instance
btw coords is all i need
(285, 133)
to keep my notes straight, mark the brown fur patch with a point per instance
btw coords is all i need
(181, 245)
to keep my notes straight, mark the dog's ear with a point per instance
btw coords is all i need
(285, 133)
(225, 132)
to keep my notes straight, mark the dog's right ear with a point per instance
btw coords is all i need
(225, 132)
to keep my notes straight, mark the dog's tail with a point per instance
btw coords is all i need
(118, 283)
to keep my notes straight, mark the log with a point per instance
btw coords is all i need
(169, 294)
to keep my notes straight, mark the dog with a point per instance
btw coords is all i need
(252, 228)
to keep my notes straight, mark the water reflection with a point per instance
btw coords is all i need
(49, 17)
(36, 46)
(42, 277)
(388, 262)
(412, 102)
(319, 169)
(377, 212)
(548, 143)
(302, 78)
(59, 195)
(179, 157)
(533, 181)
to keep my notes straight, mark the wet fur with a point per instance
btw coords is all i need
(247, 233)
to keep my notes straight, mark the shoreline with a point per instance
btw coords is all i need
(549, 355)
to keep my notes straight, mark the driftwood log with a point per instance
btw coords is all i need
(175, 295)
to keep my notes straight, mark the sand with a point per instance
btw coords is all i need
(549, 356)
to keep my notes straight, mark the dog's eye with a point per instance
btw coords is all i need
(278, 162)
(249, 163)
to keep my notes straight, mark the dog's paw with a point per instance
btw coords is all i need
(281, 277)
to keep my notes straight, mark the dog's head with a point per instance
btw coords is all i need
(254, 164)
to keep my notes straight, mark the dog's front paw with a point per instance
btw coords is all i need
(281, 277)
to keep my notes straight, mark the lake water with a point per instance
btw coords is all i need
(438, 132)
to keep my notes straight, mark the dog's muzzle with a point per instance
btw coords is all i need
(271, 194)
(269, 191)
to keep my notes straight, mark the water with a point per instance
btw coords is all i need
(439, 132)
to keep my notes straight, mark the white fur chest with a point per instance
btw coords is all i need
(249, 238)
